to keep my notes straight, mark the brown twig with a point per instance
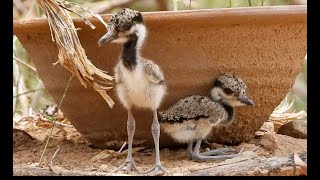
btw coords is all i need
(34, 117)
(57, 123)
(27, 92)
(20, 87)
(35, 97)
(256, 148)
(24, 63)
(51, 164)
(123, 145)
(94, 14)
(16, 80)
(27, 65)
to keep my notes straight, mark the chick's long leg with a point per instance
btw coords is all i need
(198, 157)
(155, 129)
(220, 151)
(129, 163)
(189, 150)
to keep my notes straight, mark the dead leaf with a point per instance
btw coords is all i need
(102, 155)
(135, 149)
(65, 121)
(44, 124)
(107, 153)
(298, 161)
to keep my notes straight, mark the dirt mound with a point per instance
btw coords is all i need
(76, 157)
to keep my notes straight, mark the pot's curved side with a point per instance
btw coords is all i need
(267, 53)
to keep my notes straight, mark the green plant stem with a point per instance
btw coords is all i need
(249, 1)
(55, 119)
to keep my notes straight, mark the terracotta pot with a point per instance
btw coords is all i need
(265, 46)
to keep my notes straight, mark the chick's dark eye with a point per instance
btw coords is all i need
(126, 27)
(228, 91)
(217, 83)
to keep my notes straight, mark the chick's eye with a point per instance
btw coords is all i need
(228, 91)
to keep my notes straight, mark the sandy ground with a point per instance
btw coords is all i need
(75, 152)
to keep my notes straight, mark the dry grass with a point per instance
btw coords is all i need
(71, 54)
(282, 115)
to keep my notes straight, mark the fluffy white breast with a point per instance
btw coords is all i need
(189, 130)
(135, 86)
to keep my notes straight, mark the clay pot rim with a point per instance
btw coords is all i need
(258, 14)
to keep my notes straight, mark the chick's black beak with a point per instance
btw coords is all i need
(246, 100)
(108, 37)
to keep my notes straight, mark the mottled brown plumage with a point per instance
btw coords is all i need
(193, 108)
(153, 71)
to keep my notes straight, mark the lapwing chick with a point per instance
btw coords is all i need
(139, 82)
(192, 118)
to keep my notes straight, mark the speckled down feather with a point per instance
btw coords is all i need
(153, 71)
(232, 82)
(124, 19)
(193, 108)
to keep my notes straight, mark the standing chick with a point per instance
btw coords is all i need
(139, 82)
(192, 118)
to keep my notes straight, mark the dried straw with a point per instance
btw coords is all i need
(71, 54)
(281, 116)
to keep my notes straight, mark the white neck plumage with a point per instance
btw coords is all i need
(215, 94)
(141, 33)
